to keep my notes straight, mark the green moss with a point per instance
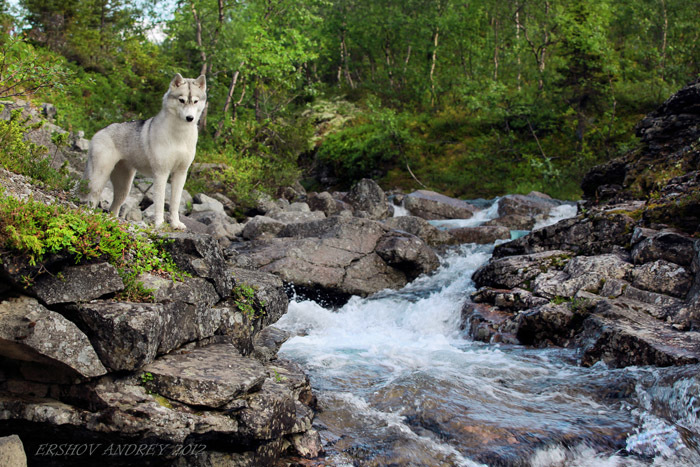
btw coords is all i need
(34, 230)
(244, 297)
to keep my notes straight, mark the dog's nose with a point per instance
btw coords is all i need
(189, 118)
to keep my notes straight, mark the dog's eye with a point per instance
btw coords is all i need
(182, 100)
(195, 101)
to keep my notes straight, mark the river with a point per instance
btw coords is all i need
(400, 383)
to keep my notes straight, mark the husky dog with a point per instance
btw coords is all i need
(161, 146)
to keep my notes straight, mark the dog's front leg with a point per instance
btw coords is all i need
(177, 183)
(159, 182)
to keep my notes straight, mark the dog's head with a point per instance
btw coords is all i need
(186, 97)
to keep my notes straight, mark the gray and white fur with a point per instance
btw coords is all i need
(160, 147)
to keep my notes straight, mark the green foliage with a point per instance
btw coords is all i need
(244, 297)
(368, 145)
(35, 230)
(27, 158)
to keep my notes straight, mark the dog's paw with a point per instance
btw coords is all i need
(177, 225)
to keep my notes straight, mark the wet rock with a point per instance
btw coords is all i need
(12, 452)
(484, 234)
(537, 207)
(430, 205)
(620, 335)
(31, 333)
(488, 324)
(662, 277)
(506, 299)
(407, 253)
(581, 235)
(209, 376)
(77, 283)
(200, 255)
(668, 246)
(420, 228)
(368, 200)
(551, 323)
(513, 222)
(308, 444)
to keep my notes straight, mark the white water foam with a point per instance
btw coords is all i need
(476, 220)
(557, 214)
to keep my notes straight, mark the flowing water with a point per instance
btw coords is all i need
(399, 383)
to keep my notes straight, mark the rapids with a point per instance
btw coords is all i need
(399, 383)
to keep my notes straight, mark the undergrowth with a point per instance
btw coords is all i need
(34, 230)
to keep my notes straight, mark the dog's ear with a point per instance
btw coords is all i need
(177, 81)
(201, 82)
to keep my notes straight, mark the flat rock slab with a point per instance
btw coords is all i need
(78, 284)
(209, 376)
(30, 332)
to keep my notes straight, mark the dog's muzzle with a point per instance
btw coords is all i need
(189, 118)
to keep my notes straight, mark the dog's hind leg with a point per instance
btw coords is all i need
(122, 177)
(96, 173)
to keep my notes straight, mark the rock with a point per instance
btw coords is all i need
(532, 206)
(296, 217)
(620, 336)
(588, 273)
(482, 234)
(420, 228)
(487, 324)
(430, 205)
(229, 206)
(327, 204)
(668, 246)
(334, 255)
(204, 203)
(218, 225)
(77, 283)
(513, 222)
(269, 289)
(200, 255)
(519, 271)
(308, 444)
(581, 235)
(368, 200)
(260, 226)
(662, 277)
(611, 173)
(407, 253)
(12, 451)
(549, 323)
(269, 413)
(209, 376)
(511, 300)
(126, 336)
(31, 333)
(268, 342)
(49, 110)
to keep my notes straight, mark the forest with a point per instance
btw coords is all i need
(470, 98)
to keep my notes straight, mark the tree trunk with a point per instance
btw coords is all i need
(229, 98)
(436, 36)
(494, 23)
(664, 39)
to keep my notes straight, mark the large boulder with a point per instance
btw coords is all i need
(430, 205)
(29, 332)
(482, 234)
(338, 256)
(533, 205)
(77, 283)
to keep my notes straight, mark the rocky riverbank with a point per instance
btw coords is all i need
(621, 281)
